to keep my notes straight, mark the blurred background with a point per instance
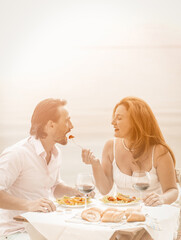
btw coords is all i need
(92, 53)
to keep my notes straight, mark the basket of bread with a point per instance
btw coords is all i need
(113, 215)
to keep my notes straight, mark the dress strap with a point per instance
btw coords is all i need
(152, 157)
(114, 149)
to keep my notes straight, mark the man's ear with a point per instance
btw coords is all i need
(50, 124)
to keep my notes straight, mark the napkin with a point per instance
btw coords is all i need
(131, 234)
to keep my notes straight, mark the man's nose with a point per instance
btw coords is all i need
(71, 125)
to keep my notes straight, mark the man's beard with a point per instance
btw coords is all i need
(62, 141)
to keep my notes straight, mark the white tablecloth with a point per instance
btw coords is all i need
(162, 224)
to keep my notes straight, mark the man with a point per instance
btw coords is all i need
(30, 169)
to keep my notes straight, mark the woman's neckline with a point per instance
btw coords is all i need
(125, 147)
(127, 174)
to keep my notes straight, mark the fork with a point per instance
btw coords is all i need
(78, 145)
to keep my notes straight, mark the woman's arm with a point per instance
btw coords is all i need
(166, 175)
(102, 171)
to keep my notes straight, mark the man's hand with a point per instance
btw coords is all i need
(91, 194)
(77, 193)
(41, 205)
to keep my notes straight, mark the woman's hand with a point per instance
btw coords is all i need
(88, 157)
(153, 199)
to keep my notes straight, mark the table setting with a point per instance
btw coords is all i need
(93, 218)
(161, 223)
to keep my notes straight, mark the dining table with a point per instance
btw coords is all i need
(66, 224)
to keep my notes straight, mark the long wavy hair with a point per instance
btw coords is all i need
(45, 110)
(145, 131)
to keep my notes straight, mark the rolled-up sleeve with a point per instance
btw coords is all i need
(10, 168)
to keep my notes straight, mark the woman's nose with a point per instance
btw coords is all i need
(113, 122)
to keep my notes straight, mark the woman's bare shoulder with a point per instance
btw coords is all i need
(109, 143)
(108, 150)
(160, 149)
(161, 154)
(109, 147)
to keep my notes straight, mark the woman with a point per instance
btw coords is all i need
(139, 145)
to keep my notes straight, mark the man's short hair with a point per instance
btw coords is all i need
(45, 110)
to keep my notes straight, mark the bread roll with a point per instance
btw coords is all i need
(130, 210)
(110, 209)
(136, 217)
(112, 216)
(97, 209)
(91, 215)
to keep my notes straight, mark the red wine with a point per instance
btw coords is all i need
(86, 188)
(141, 186)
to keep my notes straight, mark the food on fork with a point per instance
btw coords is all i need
(71, 136)
(73, 140)
(136, 217)
(91, 215)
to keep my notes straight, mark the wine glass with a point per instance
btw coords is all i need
(85, 184)
(141, 182)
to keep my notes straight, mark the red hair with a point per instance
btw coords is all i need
(145, 131)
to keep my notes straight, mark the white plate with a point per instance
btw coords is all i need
(74, 206)
(120, 204)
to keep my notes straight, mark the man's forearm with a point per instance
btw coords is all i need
(7, 201)
(62, 190)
